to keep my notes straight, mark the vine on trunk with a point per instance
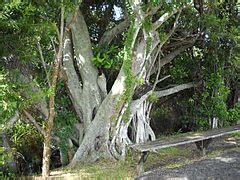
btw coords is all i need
(127, 69)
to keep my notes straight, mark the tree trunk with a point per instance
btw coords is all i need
(100, 113)
(49, 125)
(95, 143)
(96, 139)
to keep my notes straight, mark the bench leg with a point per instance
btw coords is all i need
(204, 151)
(142, 159)
(203, 145)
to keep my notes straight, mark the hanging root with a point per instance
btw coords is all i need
(140, 129)
(120, 137)
(143, 131)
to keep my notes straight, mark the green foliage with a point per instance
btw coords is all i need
(65, 116)
(153, 98)
(163, 36)
(178, 71)
(22, 26)
(213, 101)
(26, 144)
(24, 134)
(236, 135)
(147, 24)
(107, 58)
(149, 44)
(3, 160)
(160, 113)
(234, 114)
(217, 55)
(216, 64)
(182, 68)
(127, 69)
(33, 94)
(215, 94)
(155, 2)
(3, 155)
(203, 124)
(9, 99)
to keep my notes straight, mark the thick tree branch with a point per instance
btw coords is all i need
(159, 94)
(136, 103)
(169, 57)
(90, 97)
(174, 90)
(73, 83)
(108, 36)
(12, 120)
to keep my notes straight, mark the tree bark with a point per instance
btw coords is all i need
(108, 36)
(109, 110)
(90, 97)
(73, 82)
(49, 125)
(98, 132)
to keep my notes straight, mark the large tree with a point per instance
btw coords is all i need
(149, 36)
(105, 116)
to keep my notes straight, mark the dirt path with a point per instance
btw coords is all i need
(223, 166)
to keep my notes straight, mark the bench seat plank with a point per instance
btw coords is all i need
(184, 139)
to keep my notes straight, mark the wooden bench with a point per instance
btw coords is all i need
(202, 140)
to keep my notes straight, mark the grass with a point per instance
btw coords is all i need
(106, 169)
(103, 169)
(172, 157)
(167, 158)
(213, 153)
(236, 135)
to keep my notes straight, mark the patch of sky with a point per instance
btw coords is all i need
(104, 7)
(118, 13)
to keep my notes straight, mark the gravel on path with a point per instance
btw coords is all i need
(224, 166)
